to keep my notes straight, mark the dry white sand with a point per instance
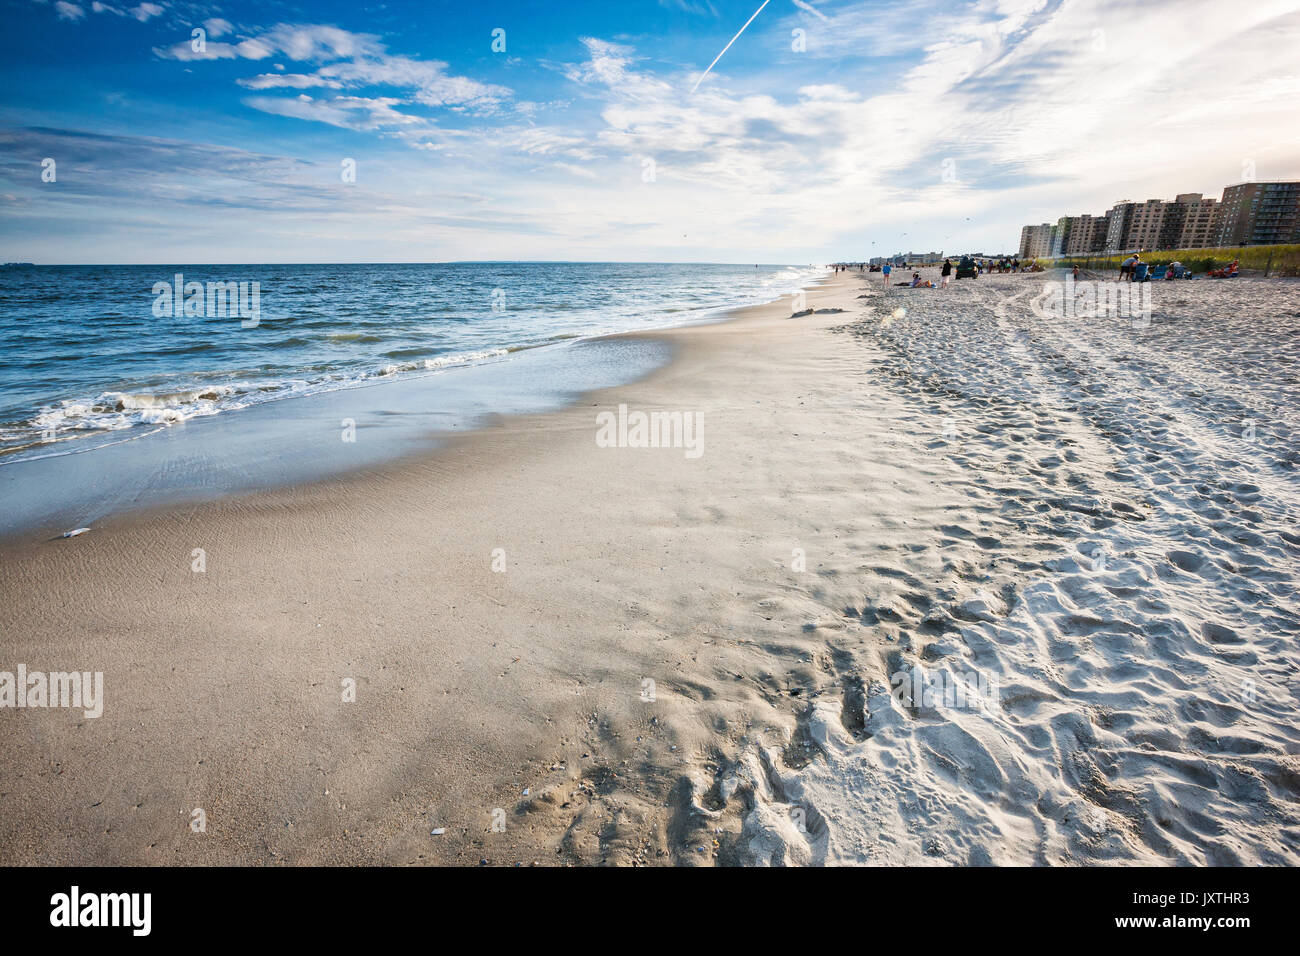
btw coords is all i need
(1062, 515)
(1120, 570)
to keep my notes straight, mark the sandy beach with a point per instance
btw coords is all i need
(948, 583)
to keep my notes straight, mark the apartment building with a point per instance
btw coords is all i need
(1117, 221)
(1186, 223)
(1145, 224)
(1189, 222)
(1060, 229)
(1085, 235)
(1249, 214)
(1036, 241)
(1258, 214)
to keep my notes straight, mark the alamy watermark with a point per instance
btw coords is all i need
(37, 689)
(1087, 299)
(129, 910)
(651, 430)
(941, 690)
(213, 300)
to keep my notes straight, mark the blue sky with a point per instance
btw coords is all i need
(828, 130)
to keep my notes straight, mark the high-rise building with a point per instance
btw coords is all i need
(1189, 222)
(1059, 233)
(1250, 214)
(1145, 224)
(1257, 214)
(1117, 220)
(1086, 235)
(1036, 241)
(1132, 226)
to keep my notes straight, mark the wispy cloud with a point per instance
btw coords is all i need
(345, 112)
(809, 8)
(699, 8)
(346, 60)
(938, 122)
(143, 12)
(302, 42)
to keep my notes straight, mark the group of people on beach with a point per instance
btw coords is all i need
(966, 267)
(1133, 269)
(1004, 264)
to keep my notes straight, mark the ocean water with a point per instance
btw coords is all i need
(94, 353)
(117, 393)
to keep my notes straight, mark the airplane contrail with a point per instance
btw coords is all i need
(728, 46)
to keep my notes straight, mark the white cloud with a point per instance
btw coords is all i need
(585, 172)
(217, 27)
(347, 61)
(427, 79)
(294, 81)
(304, 42)
(1039, 115)
(184, 51)
(69, 11)
(536, 141)
(301, 42)
(809, 8)
(823, 152)
(145, 11)
(346, 112)
(606, 62)
(699, 8)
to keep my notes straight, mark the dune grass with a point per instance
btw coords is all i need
(1283, 260)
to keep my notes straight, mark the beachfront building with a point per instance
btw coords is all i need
(1036, 241)
(1259, 214)
(1059, 233)
(1250, 214)
(1145, 223)
(1189, 222)
(1126, 226)
(1078, 235)
(1154, 224)
(1085, 235)
(1117, 220)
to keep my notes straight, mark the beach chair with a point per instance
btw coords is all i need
(1140, 272)
(1159, 272)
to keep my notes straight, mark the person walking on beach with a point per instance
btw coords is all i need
(946, 272)
(885, 270)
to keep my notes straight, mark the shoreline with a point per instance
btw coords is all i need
(565, 653)
(293, 439)
(128, 542)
